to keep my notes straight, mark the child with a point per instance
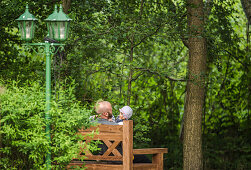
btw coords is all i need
(125, 114)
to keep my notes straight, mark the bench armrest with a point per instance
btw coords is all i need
(149, 151)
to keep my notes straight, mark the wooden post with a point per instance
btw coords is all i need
(127, 145)
(158, 159)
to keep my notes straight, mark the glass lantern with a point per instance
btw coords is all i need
(58, 25)
(26, 24)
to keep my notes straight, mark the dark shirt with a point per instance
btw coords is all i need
(118, 120)
(103, 146)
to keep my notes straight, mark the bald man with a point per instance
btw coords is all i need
(104, 111)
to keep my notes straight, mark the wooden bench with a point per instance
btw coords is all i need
(112, 136)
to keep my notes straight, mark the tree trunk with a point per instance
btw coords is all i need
(130, 77)
(192, 144)
(66, 6)
(129, 89)
(2, 90)
(246, 5)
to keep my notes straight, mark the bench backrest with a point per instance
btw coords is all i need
(112, 136)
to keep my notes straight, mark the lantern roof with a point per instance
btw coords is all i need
(26, 16)
(58, 16)
(53, 16)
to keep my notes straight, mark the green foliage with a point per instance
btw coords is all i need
(226, 144)
(97, 57)
(24, 145)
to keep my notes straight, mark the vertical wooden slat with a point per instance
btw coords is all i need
(127, 145)
(158, 159)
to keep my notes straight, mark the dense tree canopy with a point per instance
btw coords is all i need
(129, 52)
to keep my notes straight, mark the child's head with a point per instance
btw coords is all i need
(125, 113)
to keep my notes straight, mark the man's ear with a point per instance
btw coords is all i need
(106, 114)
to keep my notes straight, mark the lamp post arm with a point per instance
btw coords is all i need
(41, 47)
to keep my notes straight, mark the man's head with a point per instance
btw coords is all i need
(104, 109)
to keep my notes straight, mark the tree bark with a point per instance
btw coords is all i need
(129, 89)
(2, 90)
(192, 144)
(130, 77)
(66, 6)
(246, 5)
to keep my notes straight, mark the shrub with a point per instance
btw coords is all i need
(23, 141)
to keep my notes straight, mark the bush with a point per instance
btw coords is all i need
(23, 142)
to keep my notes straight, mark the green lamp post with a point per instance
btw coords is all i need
(58, 28)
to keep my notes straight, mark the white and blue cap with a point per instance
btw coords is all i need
(127, 112)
